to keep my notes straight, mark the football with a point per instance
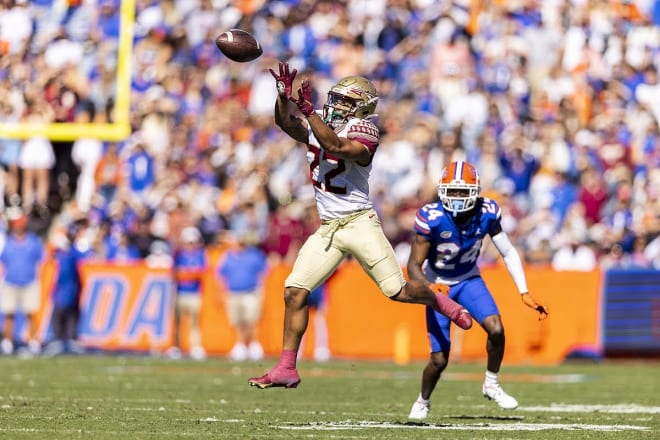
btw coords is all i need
(239, 45)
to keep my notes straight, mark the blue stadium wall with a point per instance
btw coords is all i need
(631, 313)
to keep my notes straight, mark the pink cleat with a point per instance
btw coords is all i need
(277, 377)
(454, 311)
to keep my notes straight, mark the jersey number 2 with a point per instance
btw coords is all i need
(326, 185)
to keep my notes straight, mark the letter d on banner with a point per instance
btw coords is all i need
(101, 307)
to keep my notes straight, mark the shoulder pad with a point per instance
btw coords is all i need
(428, 216)
(363, 131)
(489, 207)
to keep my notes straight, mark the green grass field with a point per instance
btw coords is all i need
(112, 397)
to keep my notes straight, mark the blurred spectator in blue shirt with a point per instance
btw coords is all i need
(108, 20)
(119, 249)
(519, 168)
(298, 40)
(69, 252)
(140, 169)
(189, 267)
(242, 270)
(21, 261)
(564, 194)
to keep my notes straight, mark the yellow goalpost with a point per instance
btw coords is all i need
(120, 128)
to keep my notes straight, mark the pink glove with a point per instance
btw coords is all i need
(304, 101)
(284, 81)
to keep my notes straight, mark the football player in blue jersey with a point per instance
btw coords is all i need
(449, 234)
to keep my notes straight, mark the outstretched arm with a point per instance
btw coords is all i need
(289, 123)
(512, 260)
(514, 265)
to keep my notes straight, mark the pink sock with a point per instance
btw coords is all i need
(287, 359)
(446, 305)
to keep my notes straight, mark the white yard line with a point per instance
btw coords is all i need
(519, 377)
(622, 408)
(335, 426)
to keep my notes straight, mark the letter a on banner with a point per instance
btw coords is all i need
(151, 316)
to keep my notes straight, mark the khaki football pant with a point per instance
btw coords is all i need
(360, 235)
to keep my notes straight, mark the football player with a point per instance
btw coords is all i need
(340, 141)
(448, 240)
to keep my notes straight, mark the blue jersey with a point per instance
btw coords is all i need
(454, 248)
(242, 269)
(21, 259)
(190, 259)
(67, 282)
(141, 172)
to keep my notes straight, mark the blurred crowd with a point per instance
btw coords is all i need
(557, 103)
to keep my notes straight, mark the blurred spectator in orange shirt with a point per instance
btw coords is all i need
(108, 172)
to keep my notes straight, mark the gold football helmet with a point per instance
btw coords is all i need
(351, 97)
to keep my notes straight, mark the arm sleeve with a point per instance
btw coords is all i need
(511, 260)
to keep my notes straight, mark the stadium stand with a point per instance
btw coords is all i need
(559, 111)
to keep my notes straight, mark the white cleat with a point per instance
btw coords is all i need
(255, 351)
(34, 347)
(321, 354)
(7, 346)
(419, 411)
(239, 352)
(197, 353)
(173, 353)
(496, 393)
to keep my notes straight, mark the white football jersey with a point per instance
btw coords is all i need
(342, 186)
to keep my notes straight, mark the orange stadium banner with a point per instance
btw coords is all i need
(131, 308)
(126, 307)
(363, 323)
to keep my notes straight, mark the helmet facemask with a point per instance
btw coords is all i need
(338, 109)
(352, 97)
(458, 198)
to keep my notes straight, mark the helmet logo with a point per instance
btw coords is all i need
(356, 91)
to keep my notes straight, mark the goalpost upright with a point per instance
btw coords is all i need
(120, 127)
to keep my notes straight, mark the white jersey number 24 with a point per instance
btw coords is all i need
(448, 253)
